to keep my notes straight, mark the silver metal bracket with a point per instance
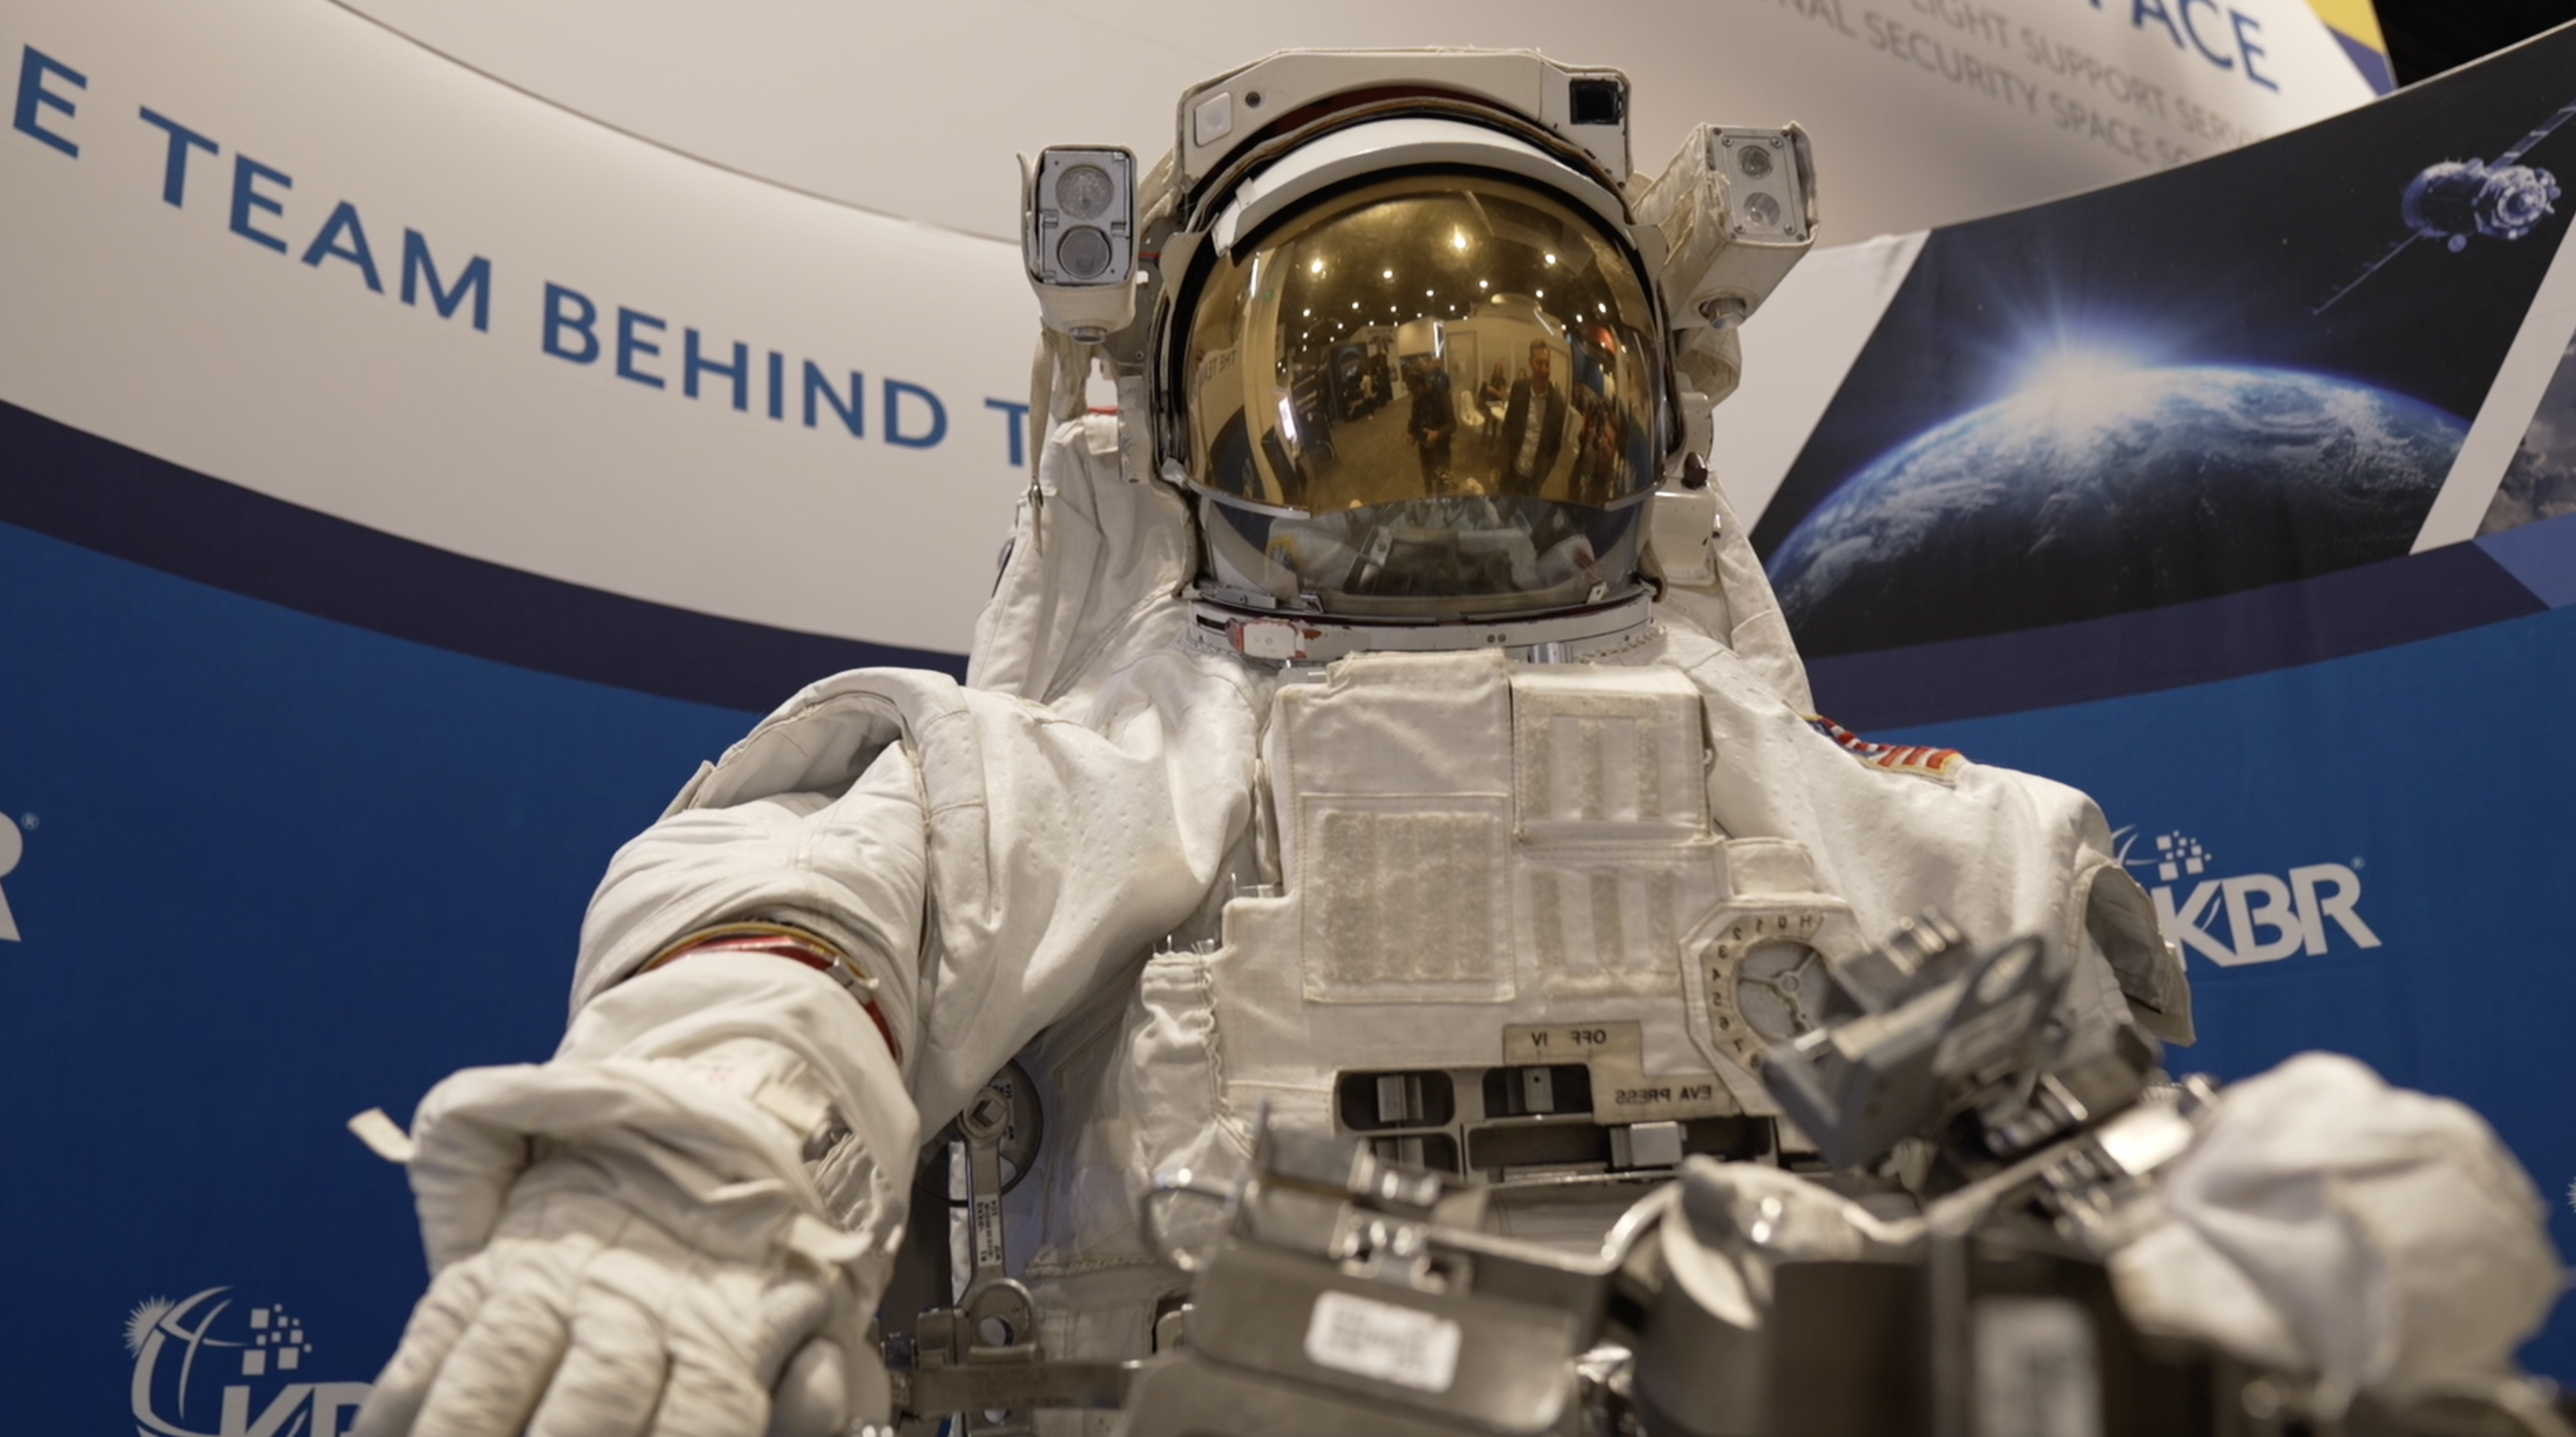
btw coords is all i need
(980, 1360)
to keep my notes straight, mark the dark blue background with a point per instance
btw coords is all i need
(282, 870)
(2441, 767)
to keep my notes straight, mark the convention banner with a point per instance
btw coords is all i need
(2243, 497)
(408, 339)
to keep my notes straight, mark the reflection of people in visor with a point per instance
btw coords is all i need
(1533, 426)
(1375, 509)
(1434, 423)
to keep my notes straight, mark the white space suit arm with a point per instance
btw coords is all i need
(850, 868)
(720, 1066)
(997, 858)
(741, 1101)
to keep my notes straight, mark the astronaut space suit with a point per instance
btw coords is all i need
(1204, 861)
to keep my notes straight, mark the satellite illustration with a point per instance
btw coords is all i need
(2450, 201)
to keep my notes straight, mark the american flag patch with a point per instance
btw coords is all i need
(1941, 765)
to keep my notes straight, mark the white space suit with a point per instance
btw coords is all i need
(1200, 881)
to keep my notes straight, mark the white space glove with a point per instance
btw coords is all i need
(630, 1241)
(584, 1318)
(2327, 1223)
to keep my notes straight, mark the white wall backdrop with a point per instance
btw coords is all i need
(1925, 111)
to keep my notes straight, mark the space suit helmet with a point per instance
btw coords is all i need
(1404, 330)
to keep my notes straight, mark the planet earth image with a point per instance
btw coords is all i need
(2100, 489)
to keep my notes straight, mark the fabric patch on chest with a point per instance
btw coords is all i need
(1608, 758)
(1615, 927)
(1405, 898)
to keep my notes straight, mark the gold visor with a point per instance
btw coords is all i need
(1430, 336)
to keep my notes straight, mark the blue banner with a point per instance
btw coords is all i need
(270, 869)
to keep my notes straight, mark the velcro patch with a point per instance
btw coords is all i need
(1941, 765)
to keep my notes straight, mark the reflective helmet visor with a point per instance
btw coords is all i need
(1432, 397)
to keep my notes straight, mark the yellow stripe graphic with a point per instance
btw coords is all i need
(2353, 19)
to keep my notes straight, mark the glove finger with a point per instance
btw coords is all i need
(710, 1394)
(812, 1398)
(792, 1309)
(612, 1374)
(500, 1367)
(437, 1321)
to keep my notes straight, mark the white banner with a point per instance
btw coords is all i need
(1925, 112)
(279, 245)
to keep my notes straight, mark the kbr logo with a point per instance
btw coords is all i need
(2269, 917)
(250, 1363)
